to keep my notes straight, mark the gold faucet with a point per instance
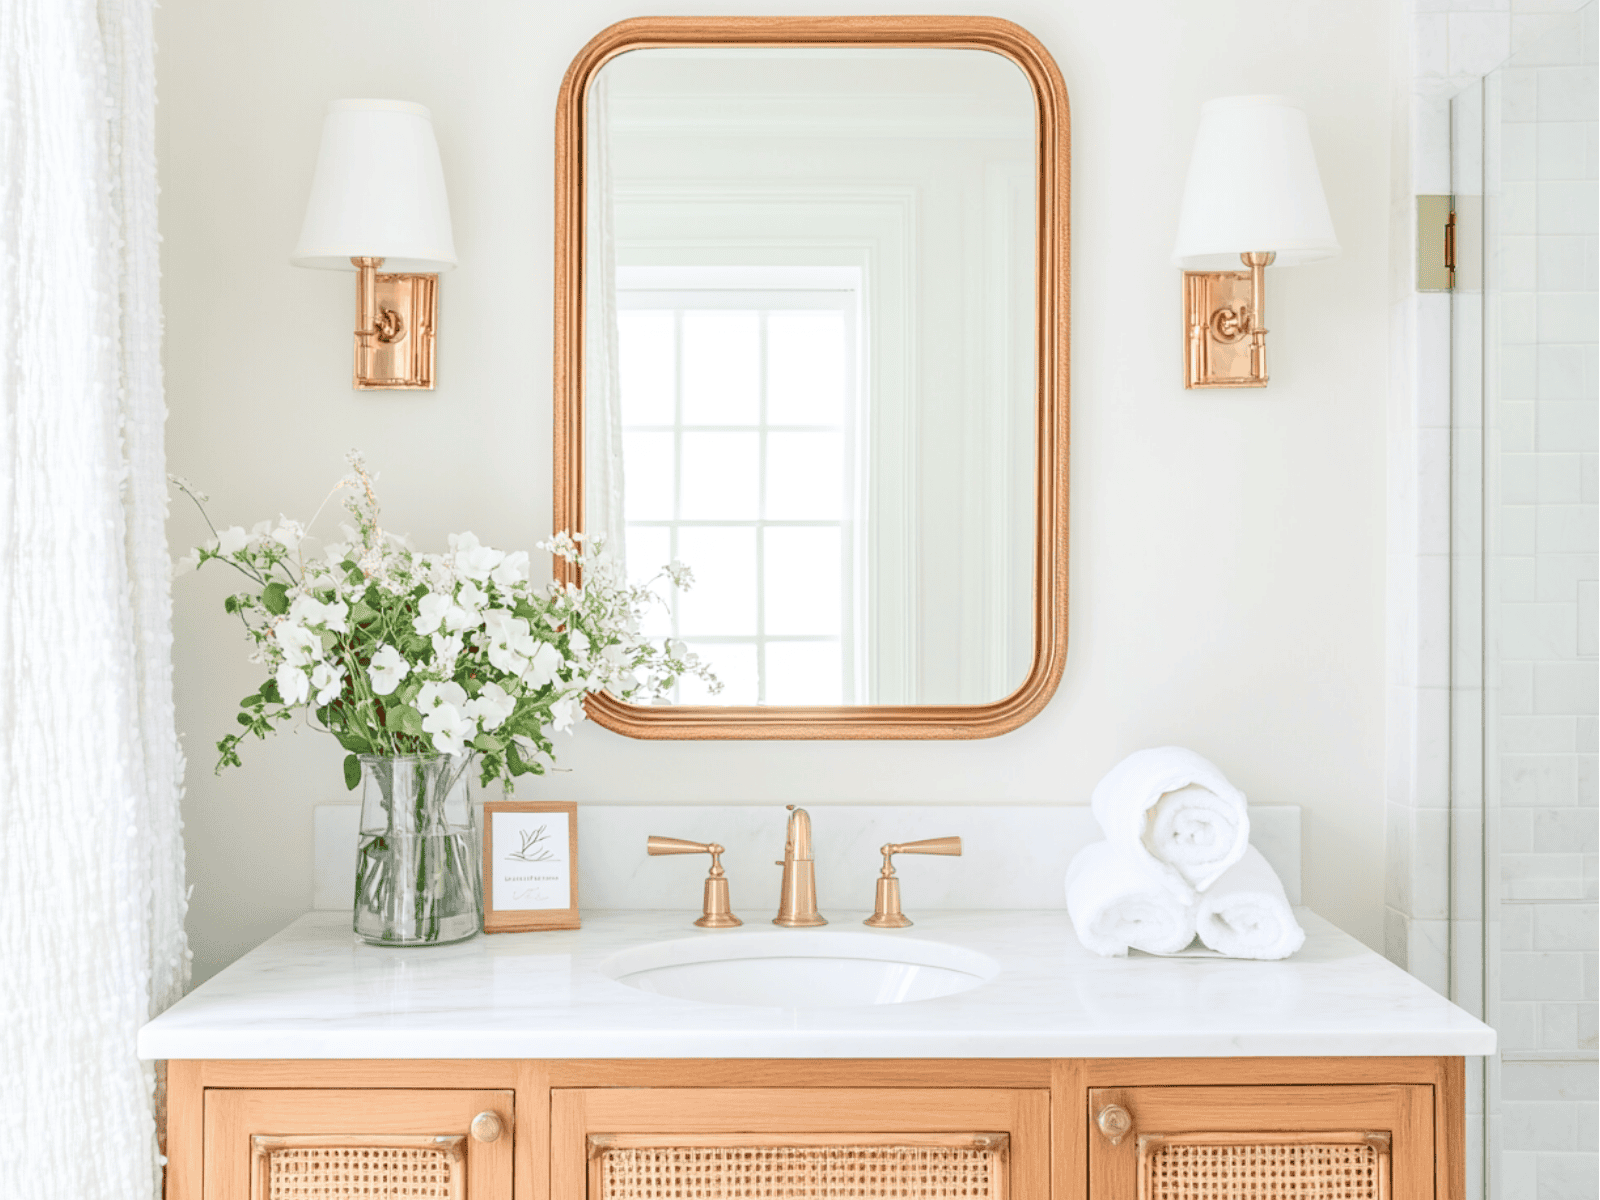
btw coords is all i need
(797, 905)
(886, 914)
(716, 913)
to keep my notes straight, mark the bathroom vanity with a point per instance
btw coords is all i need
(641, 1058)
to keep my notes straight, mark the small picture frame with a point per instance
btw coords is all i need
(530, 865)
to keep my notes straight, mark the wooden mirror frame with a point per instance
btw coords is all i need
(1051, 355)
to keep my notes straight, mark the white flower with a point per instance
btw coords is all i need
(441, 705)
(293, 684)
(387, 669)
(512, 570)
(431, 610)
(186, 564)
(565, 711)
(288, 534)
(232, 540)
(329, 682)
(300, 646)
(472, 597)
(578, 643)
(309, 609)
(510, 642)
(543, 665)
(493, 706)
(445, 651)
(472, 558)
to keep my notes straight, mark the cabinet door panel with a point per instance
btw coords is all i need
(270, 1144)
(1367, 1142)
(989, 1144)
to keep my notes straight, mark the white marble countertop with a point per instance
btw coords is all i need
(314, 992)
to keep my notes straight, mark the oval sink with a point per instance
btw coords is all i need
(800, 969)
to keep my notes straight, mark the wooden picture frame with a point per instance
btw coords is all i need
(511, 873)
(1052, 293)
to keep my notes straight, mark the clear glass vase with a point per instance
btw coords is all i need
(417, 870)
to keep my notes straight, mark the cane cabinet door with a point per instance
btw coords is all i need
(870, 1143)
(1358, 1142)
(340, 1144)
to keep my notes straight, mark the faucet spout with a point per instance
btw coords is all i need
(797, 903)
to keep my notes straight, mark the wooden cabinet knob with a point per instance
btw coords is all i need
(486, 1127)
(1115, 1122)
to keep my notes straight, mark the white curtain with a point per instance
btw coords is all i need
(602, 378)
(91, 856)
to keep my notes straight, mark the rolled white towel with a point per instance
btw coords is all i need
(1175, 810)
(1117, 902)
(1245, 914)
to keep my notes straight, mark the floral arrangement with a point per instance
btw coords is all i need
(396, 652)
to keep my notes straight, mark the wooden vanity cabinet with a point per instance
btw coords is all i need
(986, 1129)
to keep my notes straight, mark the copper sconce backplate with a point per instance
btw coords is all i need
(1225, 337)
(395, 321)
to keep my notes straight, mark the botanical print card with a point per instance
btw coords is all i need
(530, 874)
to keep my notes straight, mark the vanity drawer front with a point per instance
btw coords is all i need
(645, 1143)
(274, 1144)
(1359, 1142)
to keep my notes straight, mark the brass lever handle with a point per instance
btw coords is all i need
(886, 913)
(716, 912)
(944, 845)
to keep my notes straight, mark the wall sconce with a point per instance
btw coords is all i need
(1253, 196)
(378, 199)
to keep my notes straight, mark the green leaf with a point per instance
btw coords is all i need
(245, 719)
(403, 719)
(269, 692)
(361, 612)
(231, 604)
(252, 701)
(353, 742)
(275, 598)
(352, 772)
(488, 743)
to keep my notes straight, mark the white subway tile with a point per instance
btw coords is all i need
(1557, 576)
(1569, 316)
(1429, 953)
(1538, 1127)
(1586, 1116)
(1539, 780)
(1566, 926)
(1516, 688)
(1535, 631)
(1540, 975)
(1395, 929)
(1540, 40)
(1430, 45)
(1519, 1175)
(1567, 528)
(1560, 478)
(1567, 1176)
(1565, 372)
(1588, 734)
(1519, 94)
(1538, 735)
(1548, 1081)
(1590, 478)
(1566, 425)
(1564, 149)
(1518, 1028)
(1519, 374)
(1519, 532)
(1566, 687)
(1430, 858)
(1566, 207)
(1519, 578)
(1519, 161)
(1519, 478)
(1516, 837)
(1588, 621)
(1567, 93)
(1519, 209)
(1585, 784)
(1479, 41)
(1588, 1034)
(1516, 927)
(1558, 1030)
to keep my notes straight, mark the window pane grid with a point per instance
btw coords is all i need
(817, 676)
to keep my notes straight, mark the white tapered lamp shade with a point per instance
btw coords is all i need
(1253, 185)
(378, 191)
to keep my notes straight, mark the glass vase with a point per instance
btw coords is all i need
(417, 871)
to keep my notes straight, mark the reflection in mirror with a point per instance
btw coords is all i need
(810, 363)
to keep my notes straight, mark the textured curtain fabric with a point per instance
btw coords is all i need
(91, 856)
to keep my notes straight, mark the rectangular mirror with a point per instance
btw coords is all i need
(812, 342)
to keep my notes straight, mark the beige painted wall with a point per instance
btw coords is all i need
(1227, 548)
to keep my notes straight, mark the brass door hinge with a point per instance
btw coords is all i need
(1436, 243)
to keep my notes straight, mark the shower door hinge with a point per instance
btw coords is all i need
(1436, 243)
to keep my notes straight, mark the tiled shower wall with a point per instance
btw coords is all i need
(1515, 746)
(1540, 605)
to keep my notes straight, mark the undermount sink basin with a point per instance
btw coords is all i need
(801, 968)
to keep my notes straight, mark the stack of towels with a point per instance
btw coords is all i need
(1176, 861)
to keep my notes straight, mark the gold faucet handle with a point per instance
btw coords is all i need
(944, 845)
(716, 911)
